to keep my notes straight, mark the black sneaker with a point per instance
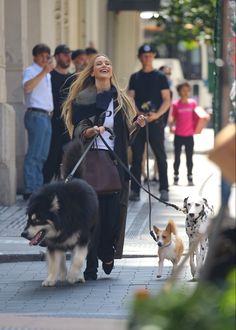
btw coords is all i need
(164, 195)
(26, 196)
(134, 196)
(107, 267)
(90, 276)
(145, 180)
(176, 180)
(190, 180)
(155, 180)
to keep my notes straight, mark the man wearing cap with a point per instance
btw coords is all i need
(79, 59)
(150, 90)
(61, 81)
(90, 52)
(39, 103)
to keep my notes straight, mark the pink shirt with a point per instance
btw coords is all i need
(185, 117)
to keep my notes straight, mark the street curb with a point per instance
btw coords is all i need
(8, 258)
(4, 258)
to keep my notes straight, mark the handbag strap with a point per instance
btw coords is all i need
(70, 176)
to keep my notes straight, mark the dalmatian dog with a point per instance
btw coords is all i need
(196, 225)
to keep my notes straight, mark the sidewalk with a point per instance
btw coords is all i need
(138, 241)
(106, 302)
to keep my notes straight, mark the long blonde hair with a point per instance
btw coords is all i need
(85, 80)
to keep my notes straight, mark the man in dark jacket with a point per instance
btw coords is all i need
(61, 80)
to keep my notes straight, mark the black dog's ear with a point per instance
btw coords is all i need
(55, 205)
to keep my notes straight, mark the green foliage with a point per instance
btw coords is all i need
(186, 20)
(208, 308)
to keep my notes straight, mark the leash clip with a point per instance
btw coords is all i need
(153, 235)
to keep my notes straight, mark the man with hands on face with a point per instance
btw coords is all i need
(39, 107)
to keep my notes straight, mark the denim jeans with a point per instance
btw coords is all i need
(38, 126)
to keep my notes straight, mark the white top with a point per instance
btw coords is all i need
(109, 122)
(41, 95)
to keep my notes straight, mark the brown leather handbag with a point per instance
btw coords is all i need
(101, 172)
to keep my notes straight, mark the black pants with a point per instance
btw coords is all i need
(188, 143)
(58, 140)
(156, 140)
(103, 243)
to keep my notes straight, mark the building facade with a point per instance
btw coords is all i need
(77, 23)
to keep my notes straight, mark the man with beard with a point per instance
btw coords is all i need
(61, 80)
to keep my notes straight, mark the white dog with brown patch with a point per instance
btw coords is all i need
(170, 246)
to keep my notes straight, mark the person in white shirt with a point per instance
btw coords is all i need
(39, 103)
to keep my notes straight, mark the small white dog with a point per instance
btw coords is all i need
(169, 246)
(196, 225)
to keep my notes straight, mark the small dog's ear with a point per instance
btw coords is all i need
(171, 228)
(156, 230)
(55, 204)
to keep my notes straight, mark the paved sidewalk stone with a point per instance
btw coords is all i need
(108, 297)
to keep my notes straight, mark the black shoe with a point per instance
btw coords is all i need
(134, 196)
(176, 180)
(164, 195)
(190, 180)
(26, 196)
(107, 267)
(155, 180)
(145, 180)
(90, 276)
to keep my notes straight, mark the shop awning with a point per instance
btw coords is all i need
(139, 5)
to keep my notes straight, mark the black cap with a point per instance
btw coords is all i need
(146, 48)
(77, 52)
(91, 51)
(62, 49)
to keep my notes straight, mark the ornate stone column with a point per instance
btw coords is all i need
(16, 61)
(7, 128)
(125, 39)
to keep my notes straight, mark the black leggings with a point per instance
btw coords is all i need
(103, 243)
(188, 143)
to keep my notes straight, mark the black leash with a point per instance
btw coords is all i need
(148, 187)
(141, 186)
(150, 194)
(134, 178)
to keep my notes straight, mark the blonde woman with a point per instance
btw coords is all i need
(95, 101)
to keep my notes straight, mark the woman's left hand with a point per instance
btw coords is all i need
(141, 121)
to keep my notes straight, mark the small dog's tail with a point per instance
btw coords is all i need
(171, 227)
(72, 153)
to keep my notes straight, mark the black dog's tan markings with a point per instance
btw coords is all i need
(62, 216)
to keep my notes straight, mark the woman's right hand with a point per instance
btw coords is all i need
(92, 131)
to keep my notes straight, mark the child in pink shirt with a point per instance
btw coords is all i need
(183, 117)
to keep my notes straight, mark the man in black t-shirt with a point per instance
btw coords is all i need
(150, 90)
(61, 80)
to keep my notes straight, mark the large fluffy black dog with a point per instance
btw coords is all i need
(62, 216)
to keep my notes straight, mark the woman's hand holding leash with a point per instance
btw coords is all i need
(141, 120)
(92, 131)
